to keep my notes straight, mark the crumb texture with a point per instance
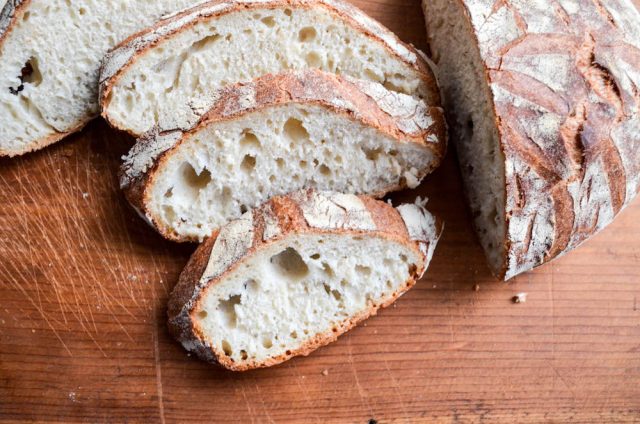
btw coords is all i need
(219, 44)
(50, 58)
(247, 300)
(556, 121)
(271, 152)
(297, 290)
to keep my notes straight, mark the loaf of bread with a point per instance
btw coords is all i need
(295, 274)
(50, 52)
(154, 77)
(277, 134)
(544, 100)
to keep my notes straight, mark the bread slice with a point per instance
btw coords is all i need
(295, 274)
(153, 76)
(277, 134)
(544, 104)
(50, 52)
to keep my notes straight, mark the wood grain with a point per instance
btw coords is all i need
(83, 287)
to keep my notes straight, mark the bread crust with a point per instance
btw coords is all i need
(564, 82)
(9, 14)
(289, 214)
(126, 53)
(425, 127)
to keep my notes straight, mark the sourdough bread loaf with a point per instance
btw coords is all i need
(544, 100)
(50, 52)
(154, 76)
(296, 273)
(277, 134)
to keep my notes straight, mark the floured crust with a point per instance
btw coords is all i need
(291, 216)
(123, 56)
(12, 10)
(565, 85)
(399, 116)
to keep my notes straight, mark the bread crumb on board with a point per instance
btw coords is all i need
(476, 287)
(519, 298)
(325, 373)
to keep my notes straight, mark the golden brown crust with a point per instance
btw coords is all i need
(290, 213)
(422, 126)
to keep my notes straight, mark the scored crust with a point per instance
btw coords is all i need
(565, 87)
(399, 116)
(304, 212)
(119, 59)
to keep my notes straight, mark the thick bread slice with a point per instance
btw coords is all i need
(544, 101)
(156, 75)
(295, 274)
(50, 52)
(277, 134)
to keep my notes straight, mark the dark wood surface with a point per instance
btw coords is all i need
(84, 282)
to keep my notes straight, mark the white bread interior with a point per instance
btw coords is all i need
(49, 64)
(221, 170)
(298, 290)
(183, 68)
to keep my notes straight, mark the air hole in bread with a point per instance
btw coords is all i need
(169, 213)
(391, 86)
(269, 21)
(373, 154)
(470, 126)
(373, 76)
(203, 314)
(295, 131)
(226, 348)
(228, 310)
(243, 209)
(314, 60)
(404, 258)
(336, 295)
(82, 11)
(324, 170)
(365, 270)
(327, 288)
(328, 270)
(244, 355)
(193, 179)
(267, 343)
(290, 264)
(248, 163)
(30, 74)
(315, 256)
(249, 140)
(251, 286)
(294, 335)
(288, 12)
(205, 42)
(26, 16)
(307, 34)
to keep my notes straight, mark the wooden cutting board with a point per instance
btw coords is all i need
(84, 283)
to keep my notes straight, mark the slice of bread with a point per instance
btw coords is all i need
(50, 52)
(295, 274)
(154, 75)
(277, 134)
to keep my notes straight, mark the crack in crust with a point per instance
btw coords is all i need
(564, 79)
